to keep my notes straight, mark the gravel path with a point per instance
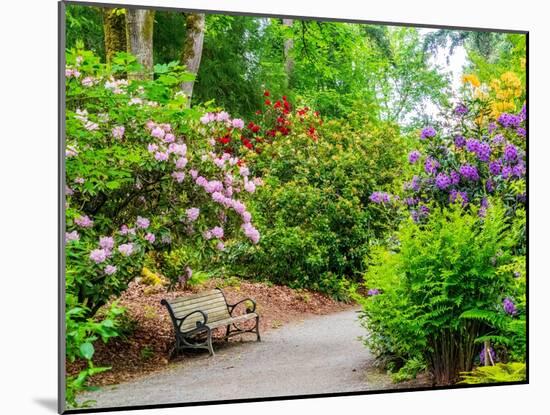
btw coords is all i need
(316, 355)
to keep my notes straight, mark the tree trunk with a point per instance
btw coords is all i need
(114, 28)
(192, 49)
(139, 40)
(288, 46)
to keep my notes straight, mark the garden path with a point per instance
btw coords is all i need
(317, 355)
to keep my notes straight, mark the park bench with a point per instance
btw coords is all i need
(195, 316)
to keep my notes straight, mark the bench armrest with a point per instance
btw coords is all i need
(231, 307)
(199, 323)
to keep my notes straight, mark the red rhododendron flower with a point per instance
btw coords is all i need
(256, 128)
(224, 140)
(284, 97)
(267, 102)
(278, 104)
(259, 112)
(266, 93)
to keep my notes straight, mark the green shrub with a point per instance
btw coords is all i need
(454, 263)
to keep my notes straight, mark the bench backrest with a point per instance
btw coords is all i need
(210, 302)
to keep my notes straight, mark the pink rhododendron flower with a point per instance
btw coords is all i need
(222, 116)
(239, 206)
(169, 138)
(217, 232)
(79, 180)
(181, 163)
(250, 187)
(150, 124)
(258, 181)
(142, 223)
(125, 230)
(193, 173)
(84, 221)
(70, 151)
(244, 171)
(161, 156)
(212, 142)
(192, 214)
(237, 123)
(88, 81)
(106, 242)
(91, 126)
(220, 246)
(68, 191)
(152, 148)
(213, 186)
(207, 235)
(180, 149)
(220, 163)
(126, 249)
(150, 237)
(247, 217)
(201, 181)
(118, 131)
(166, 127)
(98, 255)
(208, 117)
(179, 176)
(251, 232)
(157, 132)
(71, 236)
(135, 101)
(110, 269)
(218, 197)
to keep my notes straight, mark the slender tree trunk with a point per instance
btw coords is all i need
(139, 39)
(192, 49)
(288, 46)
(114, 28)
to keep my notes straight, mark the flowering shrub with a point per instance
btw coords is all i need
(141, 176)
(444, 289)
(314, 212)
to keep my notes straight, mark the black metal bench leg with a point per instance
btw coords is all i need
(209, 343)
(258, 338)
(227, 331)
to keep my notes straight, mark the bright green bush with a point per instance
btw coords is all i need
(501, 372)
(313, 212)
(421, 289)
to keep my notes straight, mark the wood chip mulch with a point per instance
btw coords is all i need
(146, 349)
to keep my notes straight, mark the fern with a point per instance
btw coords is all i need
(501, 372)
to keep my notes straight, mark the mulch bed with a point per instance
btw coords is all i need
(147, 348)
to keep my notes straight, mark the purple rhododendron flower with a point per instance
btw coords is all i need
(455, 178)
(510, 152)
(492, 127)
(249, 186)
(469, 172)
(455, 195)
(491, 353)
(373, 291)
(489, 186)
(498, 139)
(427, 132)
(414, 156)
(472, 145)
(461, 109)
(118, 132)
(380, 197)
(507, 172)
(237, 123)
(522, 132)
(179, 176)
(483, 152)
(518, 170)
(442, 181)
(431, 165)
(509, 306)
(460, 141)
(495, 167)
(509, 120)
(150, 237)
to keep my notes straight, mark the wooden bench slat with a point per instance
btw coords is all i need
(204, 305)
(191, 299)
(210, 312)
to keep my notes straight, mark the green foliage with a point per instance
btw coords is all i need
(499, 373)
(81, 333)
(313, 212)
(439, 272)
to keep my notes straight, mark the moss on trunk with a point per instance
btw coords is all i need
(114, 27)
